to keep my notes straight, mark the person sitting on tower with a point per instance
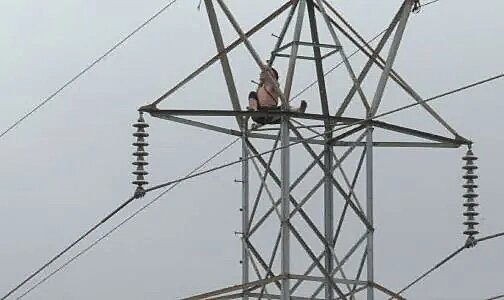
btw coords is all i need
(267, 99)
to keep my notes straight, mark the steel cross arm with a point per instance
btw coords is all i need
(261, 187)
(294, 184)
(228, 131)
(161, 113)
(370, 61)
(347, 182)
(281, 37)
(226, 67)
(294, 139)
(228, 49)
(250, 48)
(322, 279)
(265, 185)
(271, 296)
(247, 113)
(318, 60)
(352, 186)
(319, 45)
(340, 220)
(344, 57)
(386, 291)
(398, 144)
(396, 42)
(273, 254)
(262, 262)
(197, 124)
(361, 267)
(355, 291)
(292, 200)
(228, 297)
(357, 211)
(342, 262)
(296, 205)
(233, 288)
(297, 181)
(256, 270)
(314, 258)
(333, 168)
(395, 76)
(421, 134)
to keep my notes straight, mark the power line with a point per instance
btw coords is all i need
(496, 297)
(137, 212)
(194, 175)
(86, 69)
(132, 198)
(448, 258)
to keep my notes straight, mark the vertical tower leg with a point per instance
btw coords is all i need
(245, 205)
(369, 211)
(285, 158)
(285, 207)
(328, 155)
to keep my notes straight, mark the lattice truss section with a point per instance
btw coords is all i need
(307, 210)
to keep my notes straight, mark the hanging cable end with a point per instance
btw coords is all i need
(471, 242)
(139, 192)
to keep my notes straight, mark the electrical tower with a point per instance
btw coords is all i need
(295, 244)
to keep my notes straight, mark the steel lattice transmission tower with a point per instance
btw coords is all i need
(293, 244)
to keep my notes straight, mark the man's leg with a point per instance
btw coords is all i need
(253, 102)
(301, 108)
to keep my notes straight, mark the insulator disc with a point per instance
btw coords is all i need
(470, 204)
(471, 232)
(470, 195)
(140, 163)
(140, 153)
(140, 182)
(471, 222)
(140, 125)
(470, 155)
(470, 176)
(140, 172)
(470, 186)
(470, 167)
(140, 144)
(471, 213)
(470, 158)
(140, 134)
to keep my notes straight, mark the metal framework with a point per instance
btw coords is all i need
(295, 240)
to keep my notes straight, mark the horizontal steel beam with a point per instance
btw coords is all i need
(165, 114)
(272, 296)
(323, 279)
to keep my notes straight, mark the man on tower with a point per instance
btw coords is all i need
(267, 99)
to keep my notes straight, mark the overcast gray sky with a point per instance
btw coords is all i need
(70, 163)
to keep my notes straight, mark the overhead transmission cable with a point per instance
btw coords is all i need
(448, 258)
(137, 212)
(197, 174)
(56, 93)
(86, 69)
